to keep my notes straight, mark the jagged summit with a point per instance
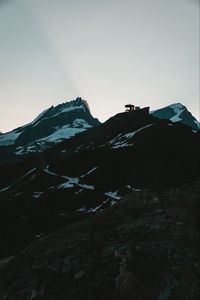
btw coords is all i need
(177, 112)
(51, 126)
(77, 104)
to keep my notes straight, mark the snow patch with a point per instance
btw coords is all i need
(73, 180)
(177, 108)
(89, 172)
(82, 209)
(92, 210)
(28, 173)
(70, 108)
(176, 118)
(86, 186)
(136, 190)
(37, 195)
(81, 123)
(5, 189)
(20, 150)
(124, 140)
(64, 132)
(50, 172)
(113, 195)
(65, 185)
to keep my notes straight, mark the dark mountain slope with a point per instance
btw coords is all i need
(144, 248)
(142, 145)
(92, 171)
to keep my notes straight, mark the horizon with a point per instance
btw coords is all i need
(102, 118)
(111, 53)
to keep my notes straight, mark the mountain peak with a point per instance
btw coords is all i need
(77, 104)
(51, 126)
(177, 107)
(80, 101)
(177, 112)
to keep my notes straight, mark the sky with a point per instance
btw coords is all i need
(109, 52)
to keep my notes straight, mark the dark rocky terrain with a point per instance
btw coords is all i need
(110, 213)
(146, 248)
(90, 172)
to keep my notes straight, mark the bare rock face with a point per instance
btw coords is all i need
(146, 248)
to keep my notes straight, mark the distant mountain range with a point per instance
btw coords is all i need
(63, 121)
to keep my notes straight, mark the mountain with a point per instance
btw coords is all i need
(177, 112)
(51, 126)
(92, 171)
(110, 213)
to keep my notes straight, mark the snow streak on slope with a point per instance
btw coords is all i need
(125, 139)
(65, 132)
(178, 110)
(68, 109)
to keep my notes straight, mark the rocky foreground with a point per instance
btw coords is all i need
(145, 247)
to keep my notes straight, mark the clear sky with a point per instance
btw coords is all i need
(109, 52)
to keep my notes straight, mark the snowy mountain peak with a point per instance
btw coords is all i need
(78, 104)
(177, 107)
(177, 112)
(53, 125)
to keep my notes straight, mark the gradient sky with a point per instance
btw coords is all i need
(109, 52)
